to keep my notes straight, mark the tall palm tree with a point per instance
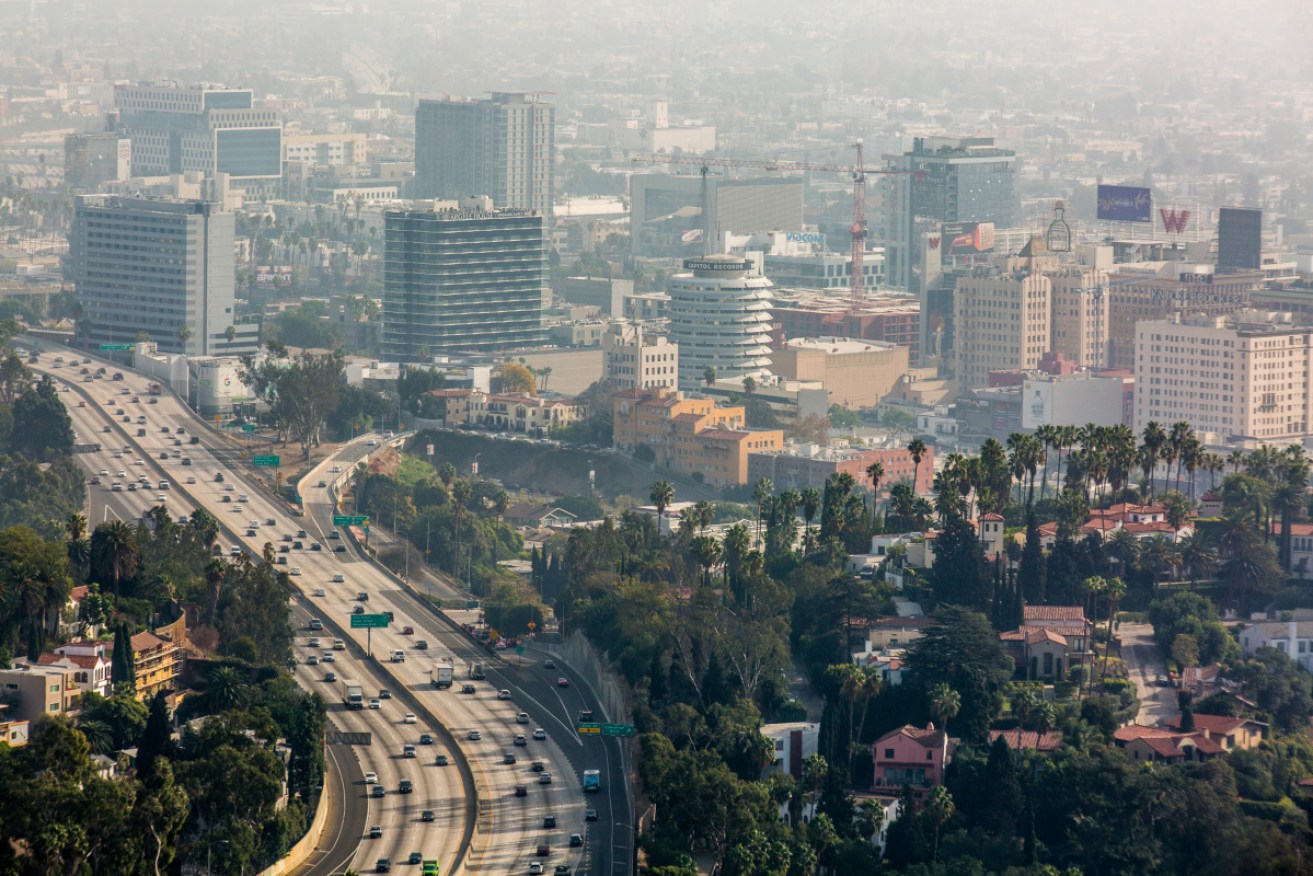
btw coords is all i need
(1159, 554)
(916, 449)
(875, 473)
(1045, 434)
(810, 499)
(762, 490)
(1178, 441)
(662, 496)
(77, 544)
(1152, 441)
(114, 553)
(1197, 556)
(707, 552)
(1236, 459)
(1114, 590)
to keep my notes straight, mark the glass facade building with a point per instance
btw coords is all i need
(462, 281)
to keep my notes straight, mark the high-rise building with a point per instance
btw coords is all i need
(720, 317)
(1241, 377)
(159, 268)
(201, 129)
(944, 181)
(462, 281)
(502, 147)
(1079, 315)
(1002, 318)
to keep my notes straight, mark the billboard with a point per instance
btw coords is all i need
(1124, 204)
(963, 242)
(1239, 238)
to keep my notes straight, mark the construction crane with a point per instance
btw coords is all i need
(857, 286)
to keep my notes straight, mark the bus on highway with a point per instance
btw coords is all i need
(592, 780)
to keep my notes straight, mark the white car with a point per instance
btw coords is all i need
(371, 778)
(314, 642)
(503, 695)
(296, 570)
(374, 703)
(338, 579)
(229, 487)
(410, 718)
(319, 591)
(539, 733)
(242, 498)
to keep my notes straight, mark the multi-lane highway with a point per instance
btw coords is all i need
(513, 799)
(506, 831)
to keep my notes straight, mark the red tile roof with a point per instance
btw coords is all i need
(79, 593)
(927, 735)
(992, 516)
(1214, 725)
(1018, 739)
(1069, 613)
(1043, 634)
(86, 661)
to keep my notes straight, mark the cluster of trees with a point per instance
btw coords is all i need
(301, 391)
(40, 485)
(456, 522)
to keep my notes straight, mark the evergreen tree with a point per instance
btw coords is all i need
(1006, 798)
(1031, 573)
(960, 574)
(122, 670)
(1064, 573)
(155, 738)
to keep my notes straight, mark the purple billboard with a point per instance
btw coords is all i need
(1125, 204)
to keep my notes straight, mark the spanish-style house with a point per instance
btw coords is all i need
(911, 756)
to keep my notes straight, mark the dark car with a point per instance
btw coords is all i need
(415, 858)
(441, 760)
(339, 549)
(549, 822)
(576, 840)
(537, 766)
(590, 814)
(383, 866)
(406, 786)
(508, 757)
(544, 850)
(377, 791)
(375, 831)
(422, 644)
(426, 739)
(549, 663)
(521, 791)
(427, 815)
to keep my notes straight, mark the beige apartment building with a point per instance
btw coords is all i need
(1078, 311)
(854, 373)
(634, 360)
(1241, 377)
(1001, 321)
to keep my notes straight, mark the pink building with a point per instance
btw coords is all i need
(910, 756)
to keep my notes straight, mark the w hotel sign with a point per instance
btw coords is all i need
(1175, 221)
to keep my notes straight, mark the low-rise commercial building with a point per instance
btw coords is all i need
(809, 465)
(889, 320)
(691, 436)
(855, 374)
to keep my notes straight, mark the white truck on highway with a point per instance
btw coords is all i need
(353, 694)
(441, 673)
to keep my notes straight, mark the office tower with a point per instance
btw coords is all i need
(720, 317)
(502, 147)
(462, 281)
(160, 268)
(1239, 239)
(944, 181)
(1242, 376)
(634, 360)
(1002, 319)
(1079, 314)
(92, 159)
(200, 129)
(665, 213)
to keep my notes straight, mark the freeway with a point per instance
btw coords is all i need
(609, 847)
(510, 827)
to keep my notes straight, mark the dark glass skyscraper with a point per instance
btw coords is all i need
(462, 281)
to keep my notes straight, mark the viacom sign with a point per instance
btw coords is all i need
(813, 237)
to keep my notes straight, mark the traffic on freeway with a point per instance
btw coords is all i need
(529, 814)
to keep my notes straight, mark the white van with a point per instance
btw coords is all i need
(398, 656)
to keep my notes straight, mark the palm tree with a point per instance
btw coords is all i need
(1197, 556)
(77, 544)
(875, 471)
(1114, 590)
(1236, 459)
(99, 735)
(810, 499)
(749, 387)
(703, 514)
(114, 553)
(1152, 443)
(1159, 555)
(707, 551)
(447, 474)
(761, 491)
(662, 495)
(944, 704)
(939, 807)
(916, 449)
(226, 689)
(1045, 434)
(735, 548)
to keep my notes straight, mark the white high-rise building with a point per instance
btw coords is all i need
(1239, 377)
(720, 317)
(160, 269)
(1001, 318)
(634, 360)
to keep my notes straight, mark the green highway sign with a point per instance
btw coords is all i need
(268, 460)
(472, 604)
(348, 520)
(594, 729)
(619, 729)
(248, 427)
(368, 621)
(519, 649)
(118, 346)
